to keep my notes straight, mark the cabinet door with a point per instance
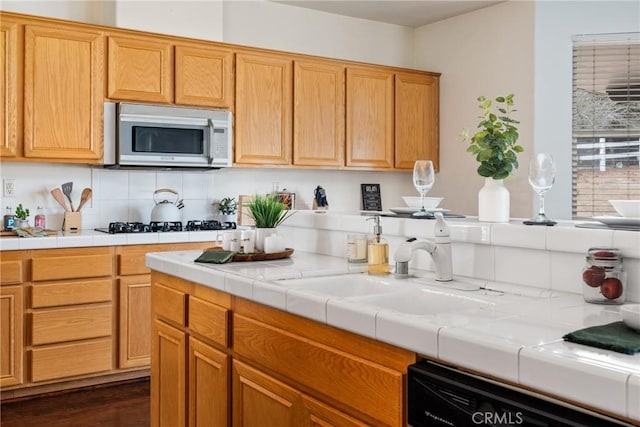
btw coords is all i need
(63, 94)
(204, 76)
(135, 321)
(208, 386)
(318, 114)
(11, 336)
(9, 52)
(168, 387)
(417, 131)
(259, 400)
(140, 69)
(263, 109)
(369, 118)
(318, 414)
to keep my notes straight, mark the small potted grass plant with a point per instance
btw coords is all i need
(267, 212)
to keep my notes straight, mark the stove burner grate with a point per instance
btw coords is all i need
(160, 226)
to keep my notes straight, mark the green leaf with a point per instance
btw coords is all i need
(500, 99)
(518, 148)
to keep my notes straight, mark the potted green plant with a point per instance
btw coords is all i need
(495, 146)
(21, 216)
(267, 212)
(227, 208)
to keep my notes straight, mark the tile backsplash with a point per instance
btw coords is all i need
(540, 257)
(127, 195)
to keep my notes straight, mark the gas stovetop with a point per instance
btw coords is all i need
(156, 226)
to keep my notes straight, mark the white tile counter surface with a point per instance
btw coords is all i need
(517, 338)
(87, 238)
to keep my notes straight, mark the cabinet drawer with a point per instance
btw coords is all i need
(131, 259)
(169, 304)
(70, 293)
(69, 324)
(67, 360)
(72, 266)
(11, 271)
(337, 375)
(208, 320)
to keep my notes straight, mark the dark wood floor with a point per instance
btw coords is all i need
(122, 405)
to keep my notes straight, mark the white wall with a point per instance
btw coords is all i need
(295, 29)
(91, 12)
(555, 23)
(487, 52)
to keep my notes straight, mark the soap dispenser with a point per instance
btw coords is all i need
(377, 250)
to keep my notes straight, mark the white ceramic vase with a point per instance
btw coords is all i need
(493, 201)
(261, 234)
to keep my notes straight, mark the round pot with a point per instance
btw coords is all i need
(165, 209)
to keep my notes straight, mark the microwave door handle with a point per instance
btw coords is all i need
(211, 127)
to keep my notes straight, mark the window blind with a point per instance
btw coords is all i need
(606, 122)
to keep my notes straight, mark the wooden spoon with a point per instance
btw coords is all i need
(86, 195)
(57, 194)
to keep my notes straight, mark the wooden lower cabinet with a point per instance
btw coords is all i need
(168, 376)
(208, 385)
(135, 321)
(232, 362)
(11, 337)
(318, 414)
(259, 400)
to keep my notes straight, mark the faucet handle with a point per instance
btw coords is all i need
(441, 226)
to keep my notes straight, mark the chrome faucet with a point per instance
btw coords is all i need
(439, 249)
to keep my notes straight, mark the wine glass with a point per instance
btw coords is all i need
(423, 179)
(542, 175)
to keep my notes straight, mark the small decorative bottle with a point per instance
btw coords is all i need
(40, 220)
(9, 219)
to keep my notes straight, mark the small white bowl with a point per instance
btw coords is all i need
(627, 208)
(429, 202)
(631, 316)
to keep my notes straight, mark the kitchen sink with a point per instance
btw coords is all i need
(347, 285)
(425, 301)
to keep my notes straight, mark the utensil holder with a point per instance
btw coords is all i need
(72, 222)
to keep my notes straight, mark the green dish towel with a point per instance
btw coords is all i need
(215, 257)
(614, 336)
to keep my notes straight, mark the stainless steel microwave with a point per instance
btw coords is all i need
(167, 137)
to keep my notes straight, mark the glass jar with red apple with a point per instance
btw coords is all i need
(603, 277)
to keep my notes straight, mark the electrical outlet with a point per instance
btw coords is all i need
(9, 187)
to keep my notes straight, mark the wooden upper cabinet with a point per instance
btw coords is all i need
(263, 109)
(63, 93)
(370, 109)
(204, 77)
(140, 69)
(10, 52)
(417, 115)
(318, 114)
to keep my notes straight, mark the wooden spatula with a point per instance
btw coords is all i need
(57, 194)
(86, 195)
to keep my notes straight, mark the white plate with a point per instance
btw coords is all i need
(406, 210)
(617, 220)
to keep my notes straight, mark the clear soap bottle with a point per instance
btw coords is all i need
(40, 219)
(377, 250)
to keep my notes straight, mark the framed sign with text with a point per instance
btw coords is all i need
(371, 198)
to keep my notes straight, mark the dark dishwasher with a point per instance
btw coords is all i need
(443, 396)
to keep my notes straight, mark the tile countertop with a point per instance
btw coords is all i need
(87, 238)
(518, 339)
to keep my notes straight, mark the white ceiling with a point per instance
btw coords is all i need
(411, 13)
